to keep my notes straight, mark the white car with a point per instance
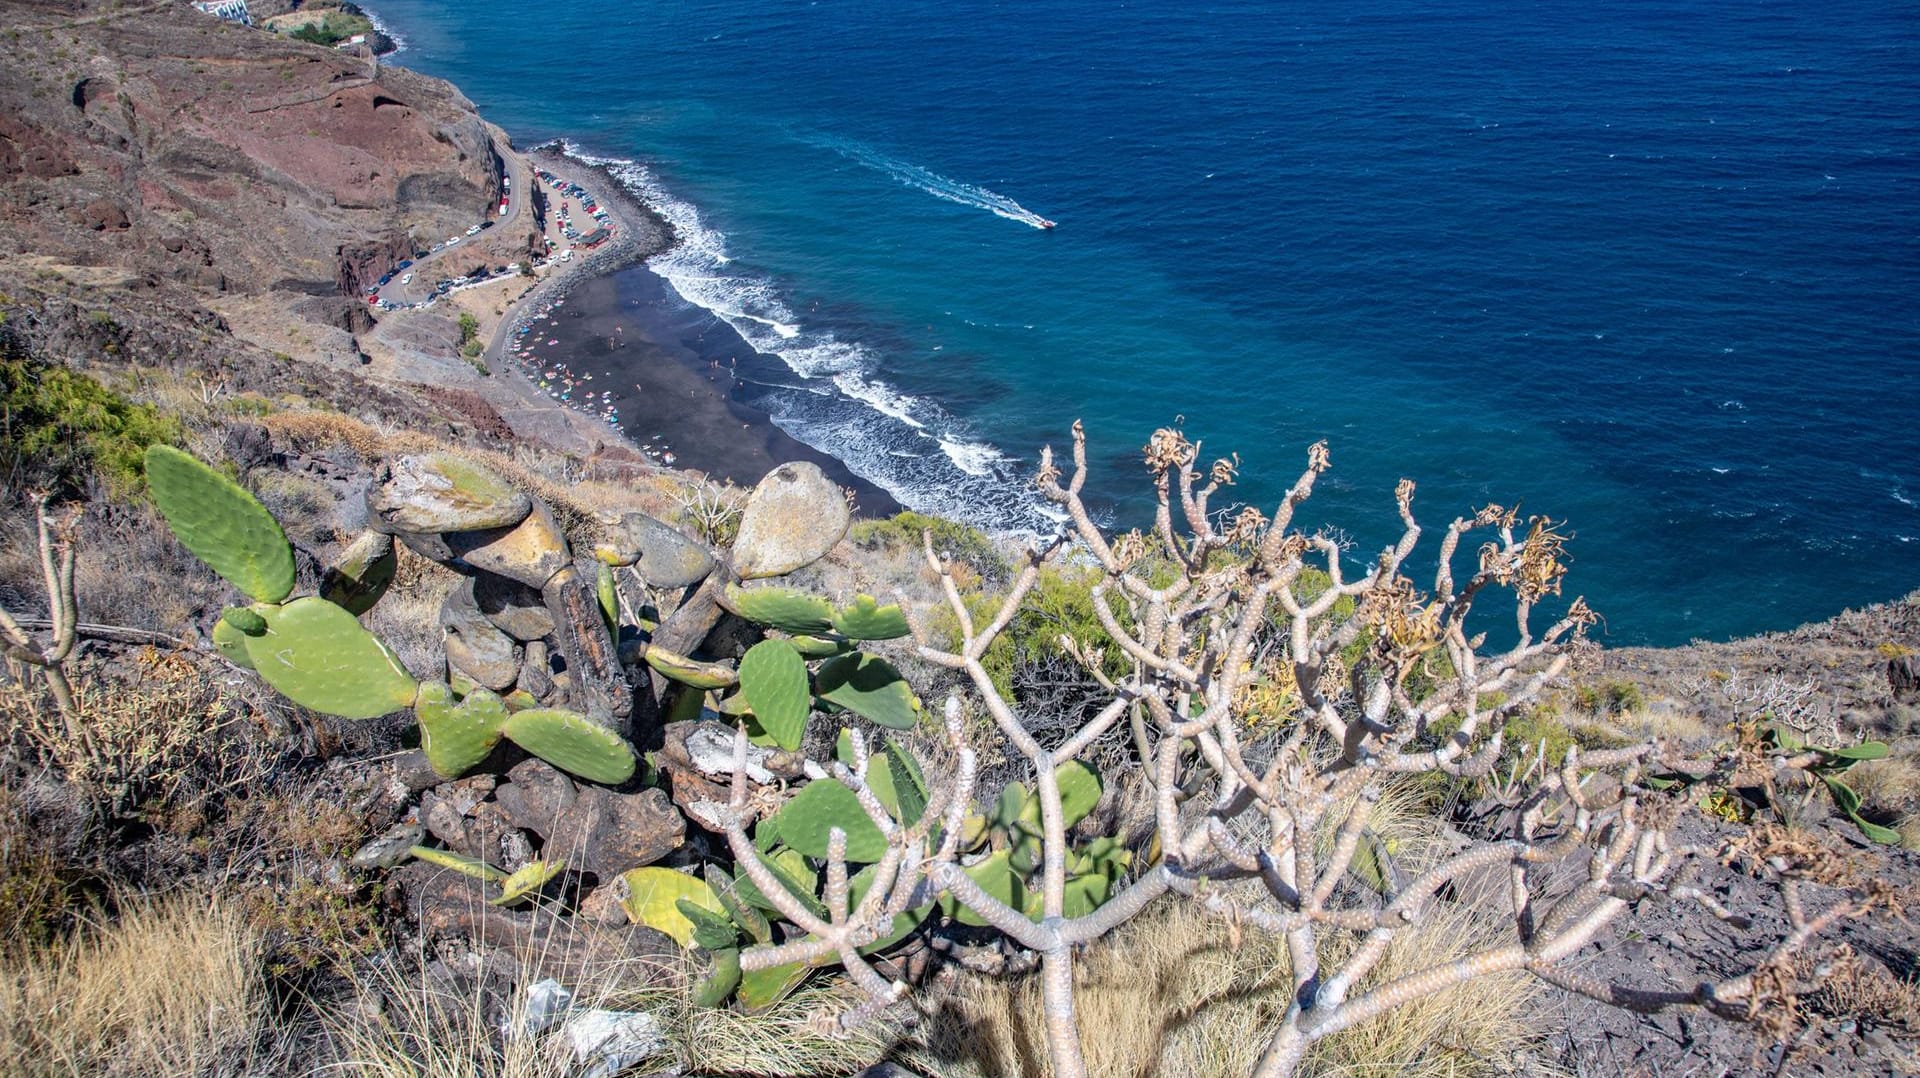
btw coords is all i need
(408, 279)
(455, 240)
(566, 255)
(474, 231)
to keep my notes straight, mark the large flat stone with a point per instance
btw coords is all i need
(529, 552)
(793, 517)
(438, 492)
(661, 555)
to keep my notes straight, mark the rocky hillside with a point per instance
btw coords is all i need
(182, 148)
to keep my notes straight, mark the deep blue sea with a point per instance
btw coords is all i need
(1652, 268)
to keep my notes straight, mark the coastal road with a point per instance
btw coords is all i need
(519, 197)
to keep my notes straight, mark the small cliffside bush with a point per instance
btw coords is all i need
(60, 428)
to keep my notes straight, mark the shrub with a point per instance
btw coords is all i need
(60, 428)
(964, 543)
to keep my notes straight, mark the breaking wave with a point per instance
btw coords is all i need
(908, 445)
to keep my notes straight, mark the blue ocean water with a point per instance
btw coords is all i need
(1648, 268)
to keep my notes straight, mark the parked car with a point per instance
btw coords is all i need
(474, 231)
(404, 265)
(408, 279)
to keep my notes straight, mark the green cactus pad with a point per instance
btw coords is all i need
(822, 805)
(893, 776)
(653, 897)
(791, 869)
(762, 988)
(574, 743)
(869, 687)
(998, 879)
(362, 575)
(718, 986)
(320, 657)
(1084, 894)
(1866, 750)
(231, 644)
(526, 880)
(1079, 791)
(1012, 805)
(688, 671)
(471, 866)
(820, 647)
(222, 524)
(785, 609)
(603, 590)
(711, 931)
(866, 619)
(455, 737)
(745, 917)
(773, 677)
(244, 621)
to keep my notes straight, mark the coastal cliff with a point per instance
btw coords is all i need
(191, 216)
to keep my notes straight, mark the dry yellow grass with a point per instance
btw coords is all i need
(414, 1029)
(1666, 720)
(170, 988)
(1891, 785)
(1178, 992)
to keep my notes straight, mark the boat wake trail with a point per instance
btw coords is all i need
(924, 179)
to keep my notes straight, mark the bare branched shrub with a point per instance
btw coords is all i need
(712, 509)
(155, 732)
(1267, 824)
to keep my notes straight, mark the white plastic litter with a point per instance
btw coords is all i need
(547, 1002)
(611, 1041)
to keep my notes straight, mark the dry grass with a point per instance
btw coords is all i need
(1178, 992)
(401, 1027)
(129, 570)
(171, 988)
(1890, 786)
(1665, 720)
(407, 617)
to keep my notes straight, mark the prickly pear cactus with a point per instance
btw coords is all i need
(654, 895)
(773, 677)
(785, 609)
(866, 619)
(687, 671)
(820, 806)
(871, 688)
(574, 743)
(221, 523)
(526, 880)
(470, 866)
(456, 736)
(320, 657)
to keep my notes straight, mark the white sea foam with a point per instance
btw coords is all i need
(839, 406)
(399, 43)
(925, 179)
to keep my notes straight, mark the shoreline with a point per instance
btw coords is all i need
(614, 323)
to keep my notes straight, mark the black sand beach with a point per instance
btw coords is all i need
(627, 341)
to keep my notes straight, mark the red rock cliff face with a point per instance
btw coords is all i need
(182, 147)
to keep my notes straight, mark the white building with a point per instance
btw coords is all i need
(230, 10)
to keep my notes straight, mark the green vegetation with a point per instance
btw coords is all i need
(965, 544)
(331, 29)
(59, 430)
